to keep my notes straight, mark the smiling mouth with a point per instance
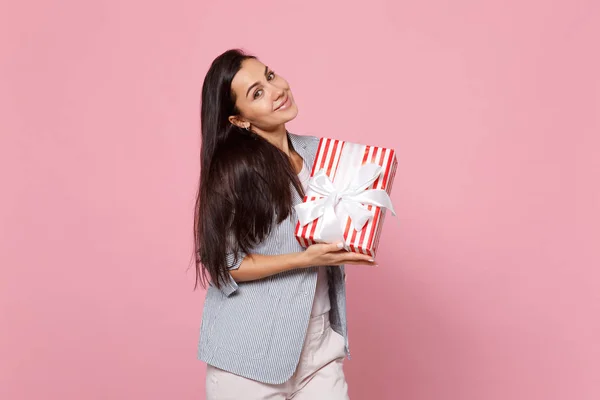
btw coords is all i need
(283, 103)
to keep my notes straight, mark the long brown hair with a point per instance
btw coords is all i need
(245, 182)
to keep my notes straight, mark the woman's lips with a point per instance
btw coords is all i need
(285, 105)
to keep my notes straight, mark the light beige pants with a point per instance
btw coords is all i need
(319, 374)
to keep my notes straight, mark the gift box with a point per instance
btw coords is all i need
(347, 196)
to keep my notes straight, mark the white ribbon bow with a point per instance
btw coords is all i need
(352, 199)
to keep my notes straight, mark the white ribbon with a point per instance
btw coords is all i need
(351, 200)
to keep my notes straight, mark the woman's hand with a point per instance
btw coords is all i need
(332, 254)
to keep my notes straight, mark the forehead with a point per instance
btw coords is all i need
(251, 71)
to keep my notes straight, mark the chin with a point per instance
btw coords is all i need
(291, 113)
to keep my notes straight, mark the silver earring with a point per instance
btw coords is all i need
(248, 128)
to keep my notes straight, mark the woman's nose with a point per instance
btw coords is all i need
(277, 92)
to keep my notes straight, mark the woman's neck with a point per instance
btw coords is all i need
(278, 138)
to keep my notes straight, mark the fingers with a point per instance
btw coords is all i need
(333, 247)
(360, 257)
(370, 264)
(336, 255)
(337, 246)
(355, 258)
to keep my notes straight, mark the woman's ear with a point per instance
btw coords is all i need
(235, 120)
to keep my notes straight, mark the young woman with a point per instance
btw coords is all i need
(274, 319)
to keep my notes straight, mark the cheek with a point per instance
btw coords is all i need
(283, 83)
(255, 109)
(263, 107)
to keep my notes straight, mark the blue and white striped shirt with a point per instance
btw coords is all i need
(256, 329)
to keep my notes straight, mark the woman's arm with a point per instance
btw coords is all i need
(257, 266)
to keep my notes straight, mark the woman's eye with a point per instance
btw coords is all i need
(257, 93)
(271, 74)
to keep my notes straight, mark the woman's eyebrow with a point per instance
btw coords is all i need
(256, 83)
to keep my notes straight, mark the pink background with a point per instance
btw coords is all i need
(488, 288)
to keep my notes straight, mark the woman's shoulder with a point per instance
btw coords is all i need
(304, 140)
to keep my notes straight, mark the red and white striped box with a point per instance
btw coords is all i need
(353, 156)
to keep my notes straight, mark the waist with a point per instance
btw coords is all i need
(318, 323)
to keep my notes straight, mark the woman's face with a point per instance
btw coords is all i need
(263, 98)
